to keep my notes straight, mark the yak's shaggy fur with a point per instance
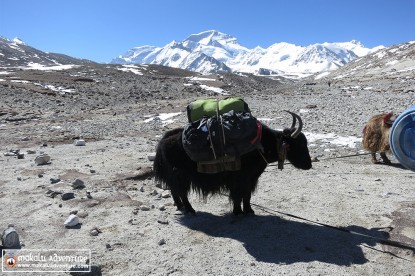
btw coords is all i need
(376, 136)
(173, 167)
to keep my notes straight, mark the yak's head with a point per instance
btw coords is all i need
(295, 144)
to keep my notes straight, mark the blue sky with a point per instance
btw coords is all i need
(100, 30)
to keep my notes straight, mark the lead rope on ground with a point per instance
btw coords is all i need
(380, 240)
(329, 158)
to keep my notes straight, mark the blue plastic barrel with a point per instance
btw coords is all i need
(402, 138)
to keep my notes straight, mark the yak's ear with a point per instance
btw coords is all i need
(288, 131)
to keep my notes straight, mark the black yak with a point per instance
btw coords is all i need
(173, 167)
(376, 136)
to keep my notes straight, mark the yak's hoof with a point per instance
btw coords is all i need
(190, 211)
(249, 213)
(185, 211)
(237, 213)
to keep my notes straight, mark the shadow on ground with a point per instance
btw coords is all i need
(275, 240)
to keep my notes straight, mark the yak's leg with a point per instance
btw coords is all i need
(182, 202)
(183, 191)
(187, 206)
(247, 204)
(236, 200)
(374, 159)
(177, 201)
(385, 158)
(180, 187)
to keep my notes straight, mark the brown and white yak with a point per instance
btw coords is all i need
(376, 136)
(173, 167)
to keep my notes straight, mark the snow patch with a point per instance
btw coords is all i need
(333, 139)
(131, 68)
(164, 118)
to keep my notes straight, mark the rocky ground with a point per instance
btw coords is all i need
(131, 226)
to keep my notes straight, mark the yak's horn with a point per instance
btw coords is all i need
(300, 124)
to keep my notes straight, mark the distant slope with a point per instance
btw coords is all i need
(15, 53)
(388, 62)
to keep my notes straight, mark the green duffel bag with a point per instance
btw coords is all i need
(210, 107)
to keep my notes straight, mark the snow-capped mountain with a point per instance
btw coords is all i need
(213, 51)
(15, 53)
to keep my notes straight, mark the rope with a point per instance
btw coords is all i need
(380, 240)
(346, 156)
(329, 158)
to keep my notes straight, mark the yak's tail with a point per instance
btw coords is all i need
(158, 167)
(161, 165)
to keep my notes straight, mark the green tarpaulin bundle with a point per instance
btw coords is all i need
(211, 107)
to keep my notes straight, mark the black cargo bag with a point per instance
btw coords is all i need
(231, 134)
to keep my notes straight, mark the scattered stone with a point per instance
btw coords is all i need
(136, 210)
(162, 242)
(54, 180)
(108, 246)
(162, 220)
(71, 221)
(92, 203)
(95, 231)
(92, 171)
(31, 151)
(178, 213)
(142, 189)
(10, 238)
(40, 175)
(42, 159)
(78, 184)
(67, 196)
(166, 194)
(162, 207)
(144, 208)
(52, 194)
(88, 195)
(20, 156)
(80, 142)
(82, 214)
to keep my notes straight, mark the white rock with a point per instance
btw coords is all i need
(94, 232)
(80, 142)
(72, 220)
(42, 159)
(166, 194)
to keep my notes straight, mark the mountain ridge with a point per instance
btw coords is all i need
(16, 53)
(280, 57)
